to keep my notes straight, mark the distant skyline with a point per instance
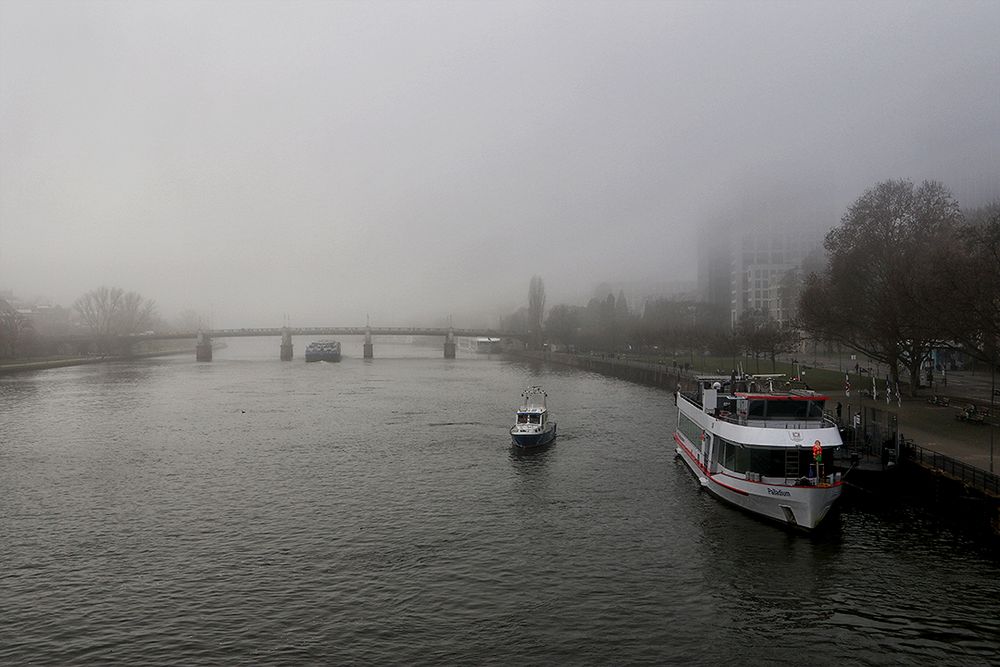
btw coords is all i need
(410, 161)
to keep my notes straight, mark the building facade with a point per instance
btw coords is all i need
(745, 271)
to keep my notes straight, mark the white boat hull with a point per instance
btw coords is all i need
(797, 506)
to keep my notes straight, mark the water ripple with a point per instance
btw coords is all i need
(254, 512)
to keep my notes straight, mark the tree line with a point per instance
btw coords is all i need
(105, 313)
(906, 271)
(609, 325)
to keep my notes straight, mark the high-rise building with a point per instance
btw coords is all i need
(762, 258)
(743, 270)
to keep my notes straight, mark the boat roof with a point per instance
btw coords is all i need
(534, 400)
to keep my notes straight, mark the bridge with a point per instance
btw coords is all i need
(203, 347)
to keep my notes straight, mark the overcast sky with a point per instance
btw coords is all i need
(417, 159)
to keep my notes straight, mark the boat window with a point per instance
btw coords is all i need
(522, 419)
(768, 462)
(756, 409)
(816, 409)
(736, 458)
(791, 410)
(690, 430)
(535, 419)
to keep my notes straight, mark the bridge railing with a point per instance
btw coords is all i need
(295, 331)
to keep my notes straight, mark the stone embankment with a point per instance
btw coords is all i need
(642, 372)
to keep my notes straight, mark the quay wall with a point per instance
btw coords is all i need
(641, 372)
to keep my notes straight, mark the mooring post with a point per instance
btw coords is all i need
(203, 348)
(286, 344)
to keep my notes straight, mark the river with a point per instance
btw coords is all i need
(249, 511)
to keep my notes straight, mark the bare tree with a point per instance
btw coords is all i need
(563, 323)
(966, 303)
(14, 330)
(762, 334)
(536, 309)
(880, 263)
(111, 311)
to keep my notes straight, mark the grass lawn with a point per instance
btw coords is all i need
(819, 379)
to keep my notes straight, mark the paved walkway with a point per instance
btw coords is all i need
(936, 428)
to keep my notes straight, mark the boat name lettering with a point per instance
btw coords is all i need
(777, 492)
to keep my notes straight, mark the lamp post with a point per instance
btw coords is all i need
(993, 398)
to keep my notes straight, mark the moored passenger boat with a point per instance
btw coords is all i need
(767, 451)
(532, 427)
(323, 350)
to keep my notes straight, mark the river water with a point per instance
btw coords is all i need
(249, 511)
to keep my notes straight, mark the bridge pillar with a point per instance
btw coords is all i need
(369, 348)
(449, 345)
(203, 349)
(286, 345)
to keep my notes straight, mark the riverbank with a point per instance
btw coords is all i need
(21, 366)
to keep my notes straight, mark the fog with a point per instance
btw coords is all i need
(325, 161)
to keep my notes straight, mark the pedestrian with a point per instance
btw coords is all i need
(839, 409)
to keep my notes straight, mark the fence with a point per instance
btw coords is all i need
(977, 478)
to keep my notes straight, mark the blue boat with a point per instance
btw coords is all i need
(323, 350)
(533, 428)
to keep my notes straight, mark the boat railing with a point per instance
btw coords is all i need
(774, 422)
(692, 397)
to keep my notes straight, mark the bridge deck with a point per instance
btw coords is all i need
(312, 331)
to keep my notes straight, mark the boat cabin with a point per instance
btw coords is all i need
(758, 400)
(531, 416)
(532, 409)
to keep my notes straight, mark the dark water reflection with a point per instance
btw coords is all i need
(249, 511)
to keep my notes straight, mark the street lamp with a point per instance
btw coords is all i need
(993, 398)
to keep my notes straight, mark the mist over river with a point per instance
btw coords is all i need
(250, 511)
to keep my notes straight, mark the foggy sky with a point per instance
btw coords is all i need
(328, 160)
